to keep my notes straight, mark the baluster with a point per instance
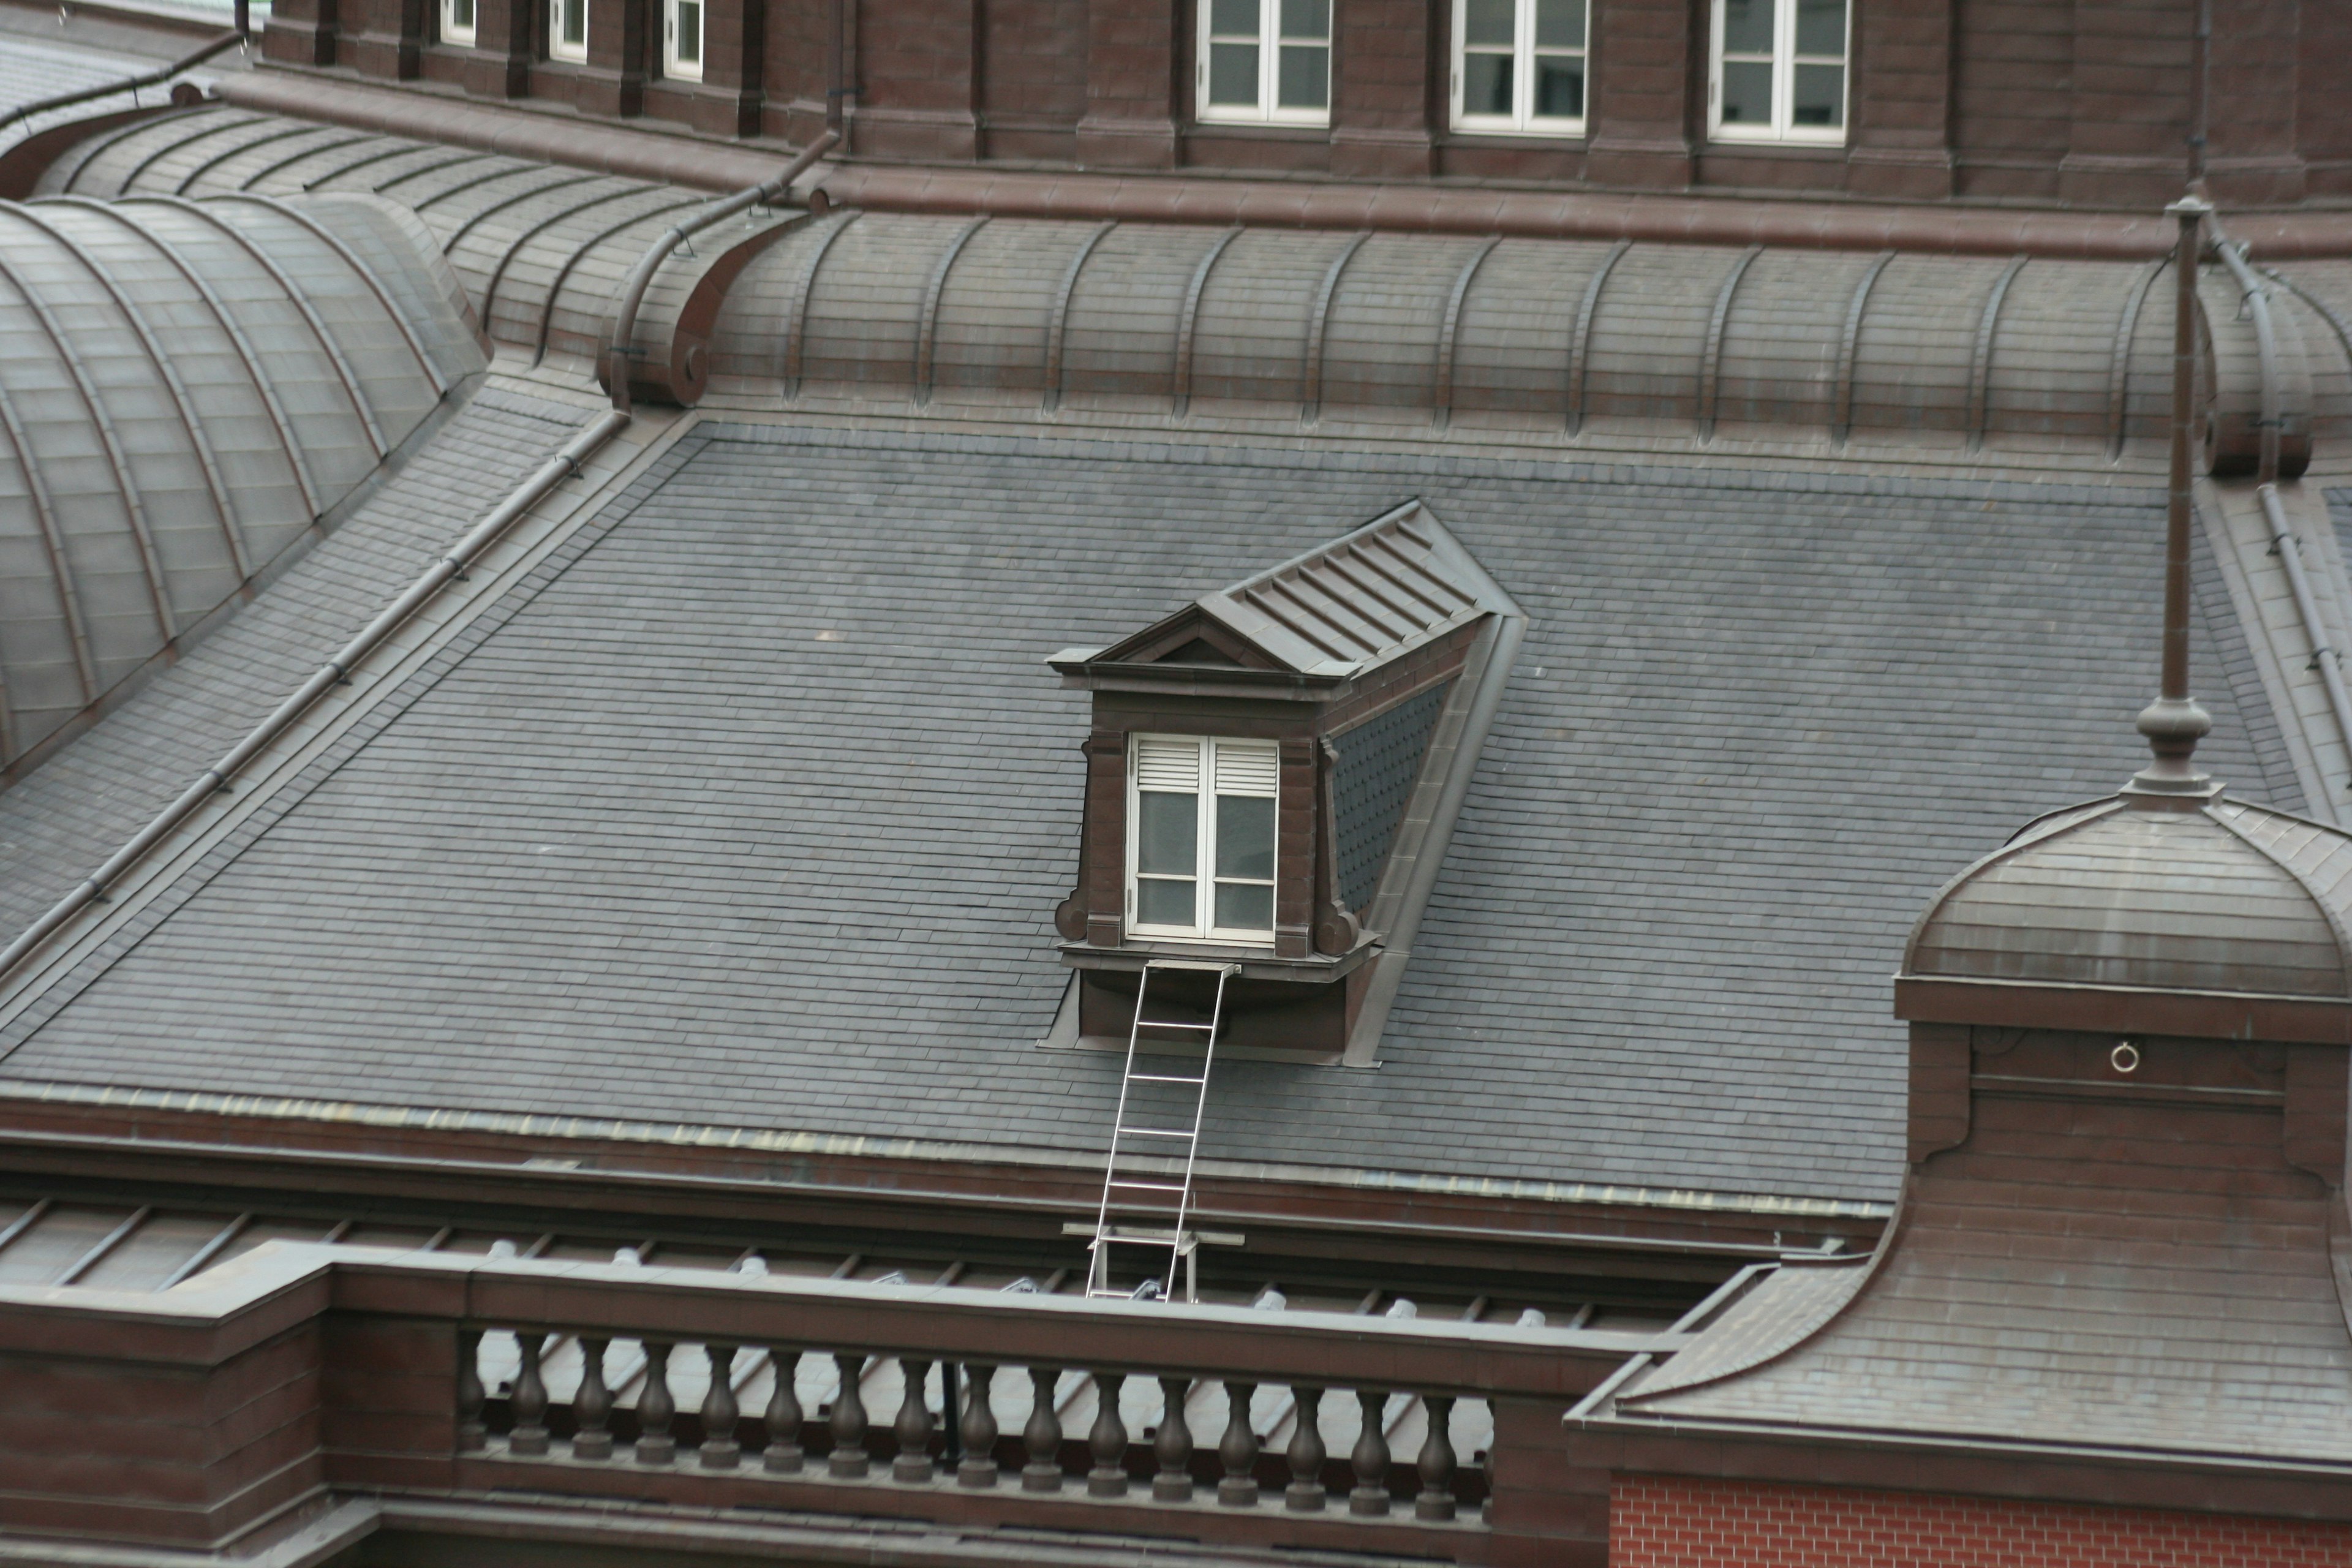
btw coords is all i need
(1173, 1445)
(784, 1456)
(1107, 1440)
(529, 1401)
(592, 1406)
(1371, 1458)
(1042, 1435)
(473, 1436)
(1304, 1493)
(655, 1409)
(1238, 1449)
(979, 1465)
(720, 1451)
(1436, 1462)
(849, 1461)
(913, 1427)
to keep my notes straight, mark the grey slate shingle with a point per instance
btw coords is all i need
(640, 845)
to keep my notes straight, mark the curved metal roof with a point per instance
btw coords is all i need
(186, 388)
(1953, 350)
(2228, 897)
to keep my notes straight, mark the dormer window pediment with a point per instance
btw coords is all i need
(1258, 760)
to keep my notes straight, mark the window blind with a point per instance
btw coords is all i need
(1247, 767)
(1164, 762)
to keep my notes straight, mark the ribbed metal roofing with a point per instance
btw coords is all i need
(186, 388)
(2229, 898)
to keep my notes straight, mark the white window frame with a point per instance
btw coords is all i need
(557, 49)
(1205, 877)
(452, 30)
(1785, 61)
(1269, 67)
(1522, 120)
(673, 64)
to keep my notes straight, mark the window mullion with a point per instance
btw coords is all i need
(1204, 909)
(1784, 66)
(1269, 76)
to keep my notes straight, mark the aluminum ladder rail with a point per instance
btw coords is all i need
(1180, 1244)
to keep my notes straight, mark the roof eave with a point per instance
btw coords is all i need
(2122, 1009)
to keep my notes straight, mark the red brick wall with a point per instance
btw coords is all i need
(1671, 1522)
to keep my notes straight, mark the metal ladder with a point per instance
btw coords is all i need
(1125, 1197)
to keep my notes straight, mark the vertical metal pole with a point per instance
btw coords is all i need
(2182, 500)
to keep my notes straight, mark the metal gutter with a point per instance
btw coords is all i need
(641, 276)
(156, 78)
(2288, 546)
(336, 671)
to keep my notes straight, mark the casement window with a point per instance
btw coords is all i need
(1779, 70)
(1201, 823)
(567, 29)
(682, 39)
(1265, 61)
(1518, 65)
(456, 21)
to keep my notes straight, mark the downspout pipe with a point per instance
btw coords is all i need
(130, 84)
(336, 671)
(641, 276)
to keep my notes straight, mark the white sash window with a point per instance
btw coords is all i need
(682, 39)
(456, 21)
(1200, 837)
(1265, 61)
(1518, 66)
(1779, 71)
(567, 29)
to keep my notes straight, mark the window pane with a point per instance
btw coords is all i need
(1486, 84)
(1307, 19)
(1820, 97)
(1820, 29)
(1488, 22)
(1559, 23)
(1560, 85)
(1167, 833)
(1746, 94)
(575, 22)
(1232, 74)
(689, 32)
(1234, 18)
(1746, 27)
(1242, 906)
(1306, 78)
(1164, 903)
(1244, 836)
(461, 15)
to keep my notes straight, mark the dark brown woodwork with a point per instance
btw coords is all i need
(719, 1449)
(1370, 1459)
(656, 1408)
(848, 1460)
(912, 1429)
(1171, 1445)
(1107, 1441)
(1237, 1449)
(1306, 1455)
(784, 1456)
(1042, 1435)
(592, 1404)
(977, 1468)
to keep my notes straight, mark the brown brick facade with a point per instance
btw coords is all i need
(1683, 1523)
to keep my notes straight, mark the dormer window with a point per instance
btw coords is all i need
(1270, 770)
(1200, 837)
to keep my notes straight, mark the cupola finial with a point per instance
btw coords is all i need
(2173, 722)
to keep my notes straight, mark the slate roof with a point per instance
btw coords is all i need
(752, 805)
(36, 68)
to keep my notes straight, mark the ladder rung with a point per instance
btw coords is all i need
(1169, 1024)
(1164, 1239)
(1159, 1077)
(1153, 1132)
(1146, 1186)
